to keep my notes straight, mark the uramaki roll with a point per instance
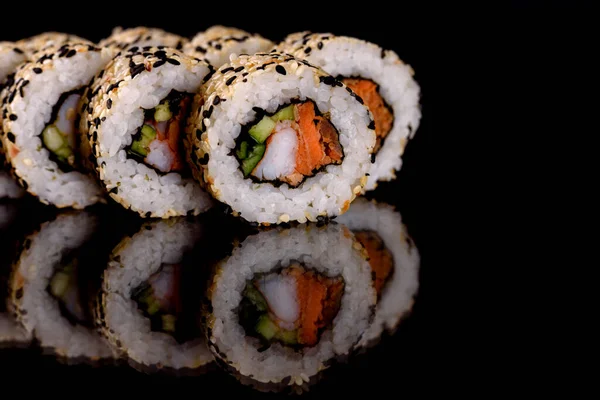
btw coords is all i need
(142, 36)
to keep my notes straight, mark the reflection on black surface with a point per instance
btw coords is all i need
(277, 308)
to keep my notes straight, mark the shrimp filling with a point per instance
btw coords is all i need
(158, 141)
(382, 112)
(294, 143)
(381, 259)
(60, 135)
(161, 299)
(292, 307)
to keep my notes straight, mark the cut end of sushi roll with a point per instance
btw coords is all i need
(142, 36)
(40, 120)
(380, 79)
(279, 140)
(218, 43)
(133, 116)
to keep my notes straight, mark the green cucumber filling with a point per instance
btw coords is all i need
(161, 299)
(380, 258)
(294, 143)
(292, 306)
(158, 142)
(68, 286)
(60, 135)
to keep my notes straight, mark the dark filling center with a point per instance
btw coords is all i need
(170, 308)
(158, 142)
(293, 306)
(61, 135)
(380, 258)
(383, 114)
(288, 146)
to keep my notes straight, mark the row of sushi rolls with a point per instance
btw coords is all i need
(301, 271)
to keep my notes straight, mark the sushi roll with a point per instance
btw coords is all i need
(11, 56)
(289, 303)
(48, 40)
(278, 140)
(39, 121)
(219, 42)
(383, 82)
(394, 260)
(146, 309)
(142, 36)
(133, 116)
(53, 285)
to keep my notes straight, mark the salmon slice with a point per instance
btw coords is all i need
(369, 92)
(335, 289)
(331, 142)
(380, 258)
(310, 152)
(311, 295)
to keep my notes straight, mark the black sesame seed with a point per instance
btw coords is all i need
(37, 70)
(230, 80)
(173, 61)
(71, 53)
(63, 52)
(204, 159)
(12, 117)
(372, 125)
(207, 113)
(225, 70)
(17, 50)
(217, 100)
(218, 46)
(360, 100)
(10, 136)
(238, 69)
(320, 45)
(103, 119)
(133, 49)
(280, 70)
(147, 54)
(307, 50)
(109, 103)
(136, 70)
(372, 158)
(245, 74)
(160, 54)
(97, 121)
(147, 48)
(111, 87)
(244, 80)
(159, 63)
(200, 49)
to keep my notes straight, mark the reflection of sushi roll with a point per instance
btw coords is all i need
(39, 113)
(53, 286)
(219, 42)
(142, 36)
(279, 140)
(47, 40)
(11, 56)
(394, 260)
(142, 309)
(133, 114)
(288, 303)
(381, 79)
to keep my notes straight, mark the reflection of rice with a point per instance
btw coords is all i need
(333, 252)
(36, 309)
(398, 294)
(132, 263)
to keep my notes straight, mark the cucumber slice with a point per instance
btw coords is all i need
(59, 284)
(162, 112)
(287, 337)
(286, 113)
(64, 152)
(138, 148)
(52, 138)
(148, 133)
(262, 130)
(242, 153)
(253, 159)
(168, 323)
(265, 327)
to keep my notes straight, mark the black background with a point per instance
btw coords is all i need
(465, 62)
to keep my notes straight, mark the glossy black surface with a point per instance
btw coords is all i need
(419, 352)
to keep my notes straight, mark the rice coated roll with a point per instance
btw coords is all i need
(11, 56)
(143, 310)
(394, 260)
(133, 118)
(279, 140)
(288, 303)
(47, 40)
(52, 287)
(383, 82)
(142, 36)
(39, 120)
(219, 42)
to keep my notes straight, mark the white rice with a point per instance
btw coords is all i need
(46, 40)
(350, 57)
(331, 250)
(141, 36)
(136, 185)
(328, 193)
(37, 310)
(31, 100)
(133, 261)
(398, 294)
(218, 43)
